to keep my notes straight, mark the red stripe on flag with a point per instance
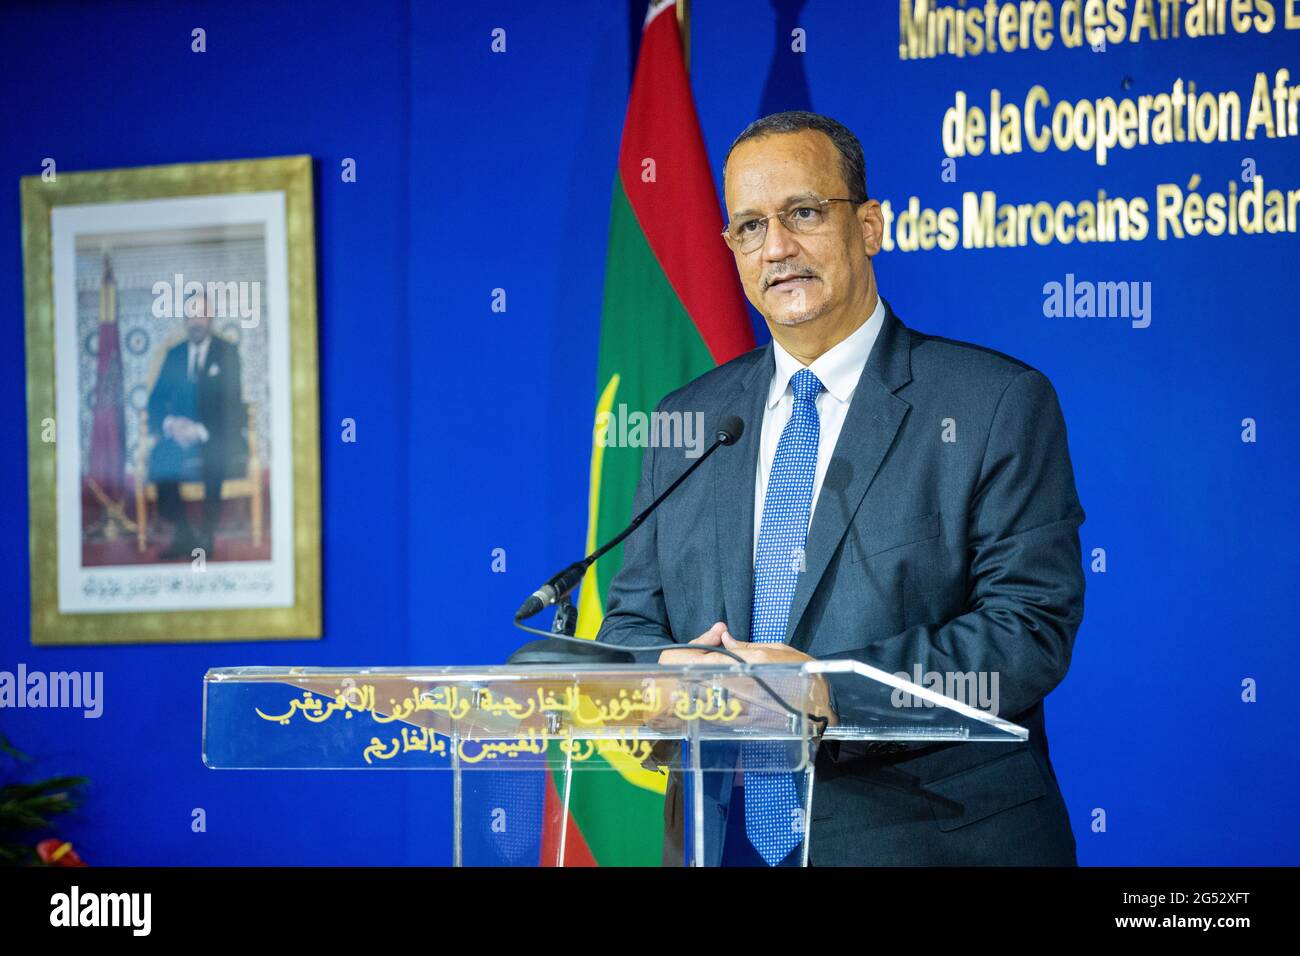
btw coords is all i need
(576, 851)
(678, 210)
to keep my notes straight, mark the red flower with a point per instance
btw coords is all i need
(58, 853)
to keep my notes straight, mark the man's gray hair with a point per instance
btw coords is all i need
(852, 166)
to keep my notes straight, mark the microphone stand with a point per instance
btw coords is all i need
(556, 591)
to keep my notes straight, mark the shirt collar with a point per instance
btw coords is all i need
(839, 368)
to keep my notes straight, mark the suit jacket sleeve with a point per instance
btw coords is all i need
(1025, 575)
(161, 397)
(635, 614)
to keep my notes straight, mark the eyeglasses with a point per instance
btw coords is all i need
(803, 217)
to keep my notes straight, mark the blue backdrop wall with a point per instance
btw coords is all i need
(479, 171)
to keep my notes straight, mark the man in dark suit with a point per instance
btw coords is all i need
(196, 417)
(924, 486)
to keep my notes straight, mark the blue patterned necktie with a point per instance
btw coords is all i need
(772, 804)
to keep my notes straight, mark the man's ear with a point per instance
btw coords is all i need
(872, 221)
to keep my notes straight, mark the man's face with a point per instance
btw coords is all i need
(767, 174)
(198, 319)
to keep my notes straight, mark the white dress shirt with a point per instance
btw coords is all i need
(838, 369)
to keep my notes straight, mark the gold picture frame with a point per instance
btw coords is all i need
(159, 615)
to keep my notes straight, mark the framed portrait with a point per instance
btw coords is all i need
(173, 434)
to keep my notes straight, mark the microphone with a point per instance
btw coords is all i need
(559, 585)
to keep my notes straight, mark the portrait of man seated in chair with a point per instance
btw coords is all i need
(195, 417)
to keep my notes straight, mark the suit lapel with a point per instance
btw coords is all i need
(874, 417)
(733, 491)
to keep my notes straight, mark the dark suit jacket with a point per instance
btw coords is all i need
(960, 556)
(215, 400)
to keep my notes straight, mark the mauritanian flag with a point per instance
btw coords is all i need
(673, 309)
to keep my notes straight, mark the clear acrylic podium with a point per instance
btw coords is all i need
(516, 740)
